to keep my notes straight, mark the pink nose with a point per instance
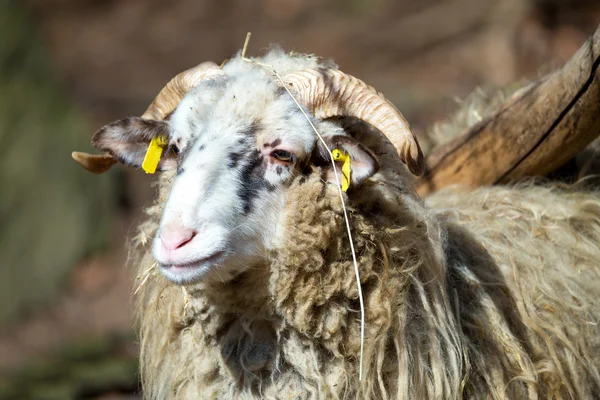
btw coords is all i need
(174, 238)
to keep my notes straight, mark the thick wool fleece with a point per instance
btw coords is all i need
(485, 294)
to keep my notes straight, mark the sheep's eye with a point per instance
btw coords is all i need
(173, 148)
(282, 155)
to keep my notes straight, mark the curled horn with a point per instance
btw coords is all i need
(169, 97)
(95, 163)
(161, 107)
(328, 93)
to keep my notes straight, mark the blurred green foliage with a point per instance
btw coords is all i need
(52, 213)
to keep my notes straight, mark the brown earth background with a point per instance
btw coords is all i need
(69, 66)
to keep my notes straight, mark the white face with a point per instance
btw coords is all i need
(236, 144)
(235, 159)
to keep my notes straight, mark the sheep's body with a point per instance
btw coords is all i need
(493, 294)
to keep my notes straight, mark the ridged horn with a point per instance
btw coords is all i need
(170, 96)
(328, 93)
(161, 107)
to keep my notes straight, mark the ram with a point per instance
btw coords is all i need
(246, 285)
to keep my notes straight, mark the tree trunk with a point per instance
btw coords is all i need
(51, 214)
(536, 131)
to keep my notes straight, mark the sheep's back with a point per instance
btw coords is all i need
(525, 263)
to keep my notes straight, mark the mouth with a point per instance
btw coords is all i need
(201, 263)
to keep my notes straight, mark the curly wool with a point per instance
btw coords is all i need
(486, 293)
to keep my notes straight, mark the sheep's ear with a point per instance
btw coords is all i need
(363, 162)
(127, 141)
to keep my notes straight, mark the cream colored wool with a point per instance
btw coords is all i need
(491, 293)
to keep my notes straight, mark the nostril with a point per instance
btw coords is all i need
(176, 239)
(186, 240)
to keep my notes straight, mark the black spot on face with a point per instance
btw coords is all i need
(234, 159)
(253, 180)
(201, 147)
(275, 143)
(305, 170)
(183, 153)
(281, 91)
(252, 129)
(180, 171)
(279, 169)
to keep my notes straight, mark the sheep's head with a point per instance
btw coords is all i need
(237, 140)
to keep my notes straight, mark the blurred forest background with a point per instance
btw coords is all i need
(67, 67)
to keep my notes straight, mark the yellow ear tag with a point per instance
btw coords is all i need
(339, 155)
(155, 149)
